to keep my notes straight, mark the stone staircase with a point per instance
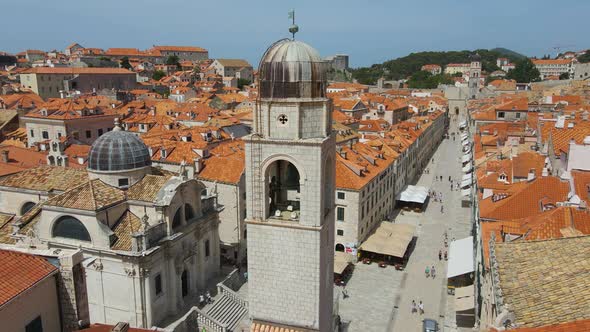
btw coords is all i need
(229, 309)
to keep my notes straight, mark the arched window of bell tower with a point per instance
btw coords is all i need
(282, 190)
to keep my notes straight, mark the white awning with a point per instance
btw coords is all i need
(390, 239)
(466, 158)
(467, 177)
(465, 143)
(467, 152)
(463, 124)
(415, 194)
(467, 168)
(341, 261)
(464, 136)
(465, 192)
(464, 298)
(466, 183)
(460, 257)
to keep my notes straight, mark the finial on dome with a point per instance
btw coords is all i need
(293, 29)
(117, 125)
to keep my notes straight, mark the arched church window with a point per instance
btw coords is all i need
(26, 207)
(177, 220)
(189, 213)
(70, 228)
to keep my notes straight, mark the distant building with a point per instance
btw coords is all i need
(453, 68)
(501, 62)
(237, 68)
(432, 68)
(28, 293)
(72, 49)
(508, 66)
(49, 82)
(190, 53)
(554, 67)
(582, 71)
(338, 61)
(474, 76)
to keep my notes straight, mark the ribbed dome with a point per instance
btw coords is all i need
(292, 69)
(118, 151)
(292, 51)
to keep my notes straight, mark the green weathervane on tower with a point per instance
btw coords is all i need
(293, 28)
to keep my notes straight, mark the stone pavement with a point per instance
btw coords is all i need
(380, 298)
(431, 226)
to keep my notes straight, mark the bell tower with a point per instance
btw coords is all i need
(290, 191)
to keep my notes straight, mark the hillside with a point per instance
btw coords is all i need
(508, 53)
(402, 68)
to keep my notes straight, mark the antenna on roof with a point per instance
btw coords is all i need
(293, 29)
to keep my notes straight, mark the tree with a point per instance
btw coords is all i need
(158, 74)
(173, 60)
(584, 58)
(196, 69)
(242, 82)
(125, 63)
(564, 76)
(425, 80)
(524, 72)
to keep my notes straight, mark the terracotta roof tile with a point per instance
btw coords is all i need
(93, 195)
(20, 272)
(128, 224)
(46, 178)
(147, 188)
(546, 282)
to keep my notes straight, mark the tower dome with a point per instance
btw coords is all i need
(118, 151)
(292, 69)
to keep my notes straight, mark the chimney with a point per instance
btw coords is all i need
(198, 164)
(152, 111)
(120, 327)
(531, 175)
(4, 156)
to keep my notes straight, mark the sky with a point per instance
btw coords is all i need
(369, 31)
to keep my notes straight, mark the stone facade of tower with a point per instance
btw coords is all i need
(474, 76)
(290, 192)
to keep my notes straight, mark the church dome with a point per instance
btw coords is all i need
(118, 151)
(292, 69)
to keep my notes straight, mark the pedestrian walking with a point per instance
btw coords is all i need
(442, 209)
(441, 177)
(421, 307)
(414, 306)
(451, 186)
(427, 271)
(432, 272)
(449, 178)
(440, 255)
(445, 255)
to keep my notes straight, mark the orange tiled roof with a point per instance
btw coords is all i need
(225, 164)
(530, 200)
(544, 62)
(77, 70)
(575, 326)
(93, 195)
(20, 159)
(20, 272)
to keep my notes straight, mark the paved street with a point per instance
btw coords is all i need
(380, 299)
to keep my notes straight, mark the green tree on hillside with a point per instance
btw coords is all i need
(584, 58)
(158, 74)
(524, 72)
(425, 80)
(125, 63)
(173, 60)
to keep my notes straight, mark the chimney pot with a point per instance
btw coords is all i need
(5, 156)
